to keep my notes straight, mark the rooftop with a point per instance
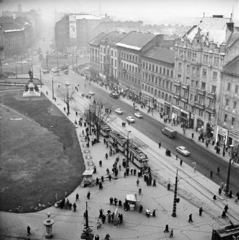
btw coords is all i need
(232, 67)
(97, 39)
(216, 27)
(114, 37)
(160, 54)
(135, 40)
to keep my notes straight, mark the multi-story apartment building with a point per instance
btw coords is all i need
(130, 49)
(76, 30)
(109, 57)
(228, 115)
(199, 59)
(95, 61)
(157, 79)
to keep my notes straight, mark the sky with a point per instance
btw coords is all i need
(148, 11)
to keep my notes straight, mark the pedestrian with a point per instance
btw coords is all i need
(223, 214)
(110, 177)
(200, 211)
(190, 218)
(226, 208)
(103, 218)
(168, 186)
(171, 234)
(154, 183)
(159, 144)
(100, 186)
(137, 182)
(97, 237)
(140, 208)
(214, 197)
(218, 170)
(115, 201)
(181, 162)
(74, 207)
(106, 156)
(211, 173)
(166, 228)
(219, 191)
(88, 195)
(102, 179)
(77, 197)
(135, 172)
(176, 156)
(28, 230)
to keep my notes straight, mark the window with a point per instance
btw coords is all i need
(194, 71)
(225, 117)
(203, 86)
(156, 69)
(146, 65)
(191, 97)
(233, 120)
(236, 89)
(143, 64)
(179, 77)
(227, 102)
(214, 76)
(234, 104)
(194, 57)
(216, 61)
(171, 74)
(181, 54)
(150, 66)
(188, 68)
(205, 58)
(163, 71)
(204, 73)
(228, 86)
(192, 83)
(214, 89)
(180, 66)
(160, 70)
(189, 55)
(153, 67)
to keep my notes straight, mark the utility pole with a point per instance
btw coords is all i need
(229, 172)
(52, 88)
(175, 199)
(87, 232)
(128, 147)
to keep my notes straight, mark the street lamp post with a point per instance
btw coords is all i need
(128, 147)
(52, 88)
(229, 172)
(67, 98)
(175, 199)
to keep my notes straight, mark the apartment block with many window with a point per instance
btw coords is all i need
(157, 78)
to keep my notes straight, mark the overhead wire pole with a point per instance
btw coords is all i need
(175, 200)
(128, 147)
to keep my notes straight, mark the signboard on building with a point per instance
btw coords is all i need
(72, 26)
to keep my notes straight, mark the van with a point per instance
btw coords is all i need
(169, 132)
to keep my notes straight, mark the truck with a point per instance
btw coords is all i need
(169, 132)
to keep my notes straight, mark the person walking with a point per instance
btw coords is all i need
(166, 228)
(137, 182)
(160, 144)
(190, 218)
(211, 174)
(88, 195)
(218, 170)
(77, 197)
(200, 211)
(226, 208)
(171, 233)
(28, 230)
(168, 186)
(181, 162)
(74, 207)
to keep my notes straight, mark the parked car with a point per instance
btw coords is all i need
(55, 70)
(91, 93)
(182, 150)
(119, 111)
(138, 115)
(10, 73)
(45, 71)
(114, 95)
(136, 108)
(130, 119)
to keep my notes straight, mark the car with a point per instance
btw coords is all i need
(119, 111)
(55, 70)
(5, 64)
(10, 73)
(24, 62)
(182, 150)
(91, 93)
(136, 108)
(138, 115)
(114, 95)
(45, 71)
(130, 119)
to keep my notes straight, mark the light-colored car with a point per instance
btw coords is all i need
(138, 115)
(182, 150)
(55, 70)
(91, 93)
(119, 111)
(130, 119)
(45, 71)
(5, 64)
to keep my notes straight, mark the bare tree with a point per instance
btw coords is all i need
(66, 94)
(98, 115)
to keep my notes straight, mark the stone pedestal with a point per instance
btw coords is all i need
(48, 223)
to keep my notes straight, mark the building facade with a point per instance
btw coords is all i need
(109, 57)
(228, 116)
(157, 79)
(199, 60)
(95, 61)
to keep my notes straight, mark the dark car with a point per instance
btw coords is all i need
(10, 73)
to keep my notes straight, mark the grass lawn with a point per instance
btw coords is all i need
(34, 165)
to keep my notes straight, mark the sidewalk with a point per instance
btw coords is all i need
(192, 186)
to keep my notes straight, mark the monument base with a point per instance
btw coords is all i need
(47, 236)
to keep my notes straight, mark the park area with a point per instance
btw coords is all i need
(40, 155)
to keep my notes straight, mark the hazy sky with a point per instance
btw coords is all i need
(149, 11)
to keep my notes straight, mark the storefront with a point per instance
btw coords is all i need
(160, 105)
(176, 114)
(167, 107)
(185, 117)
(233, 138)
(222, 135)
(200, 124)
(123, 89)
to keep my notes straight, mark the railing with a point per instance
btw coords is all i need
(200, 105)
(210, 109)
(185, 86)
(201, 91)
(211, 95)
(177, 83)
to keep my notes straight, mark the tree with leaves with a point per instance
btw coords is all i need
(66, 94)
(98, 115)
